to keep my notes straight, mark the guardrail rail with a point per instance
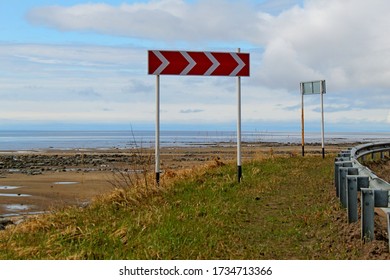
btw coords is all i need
(352, 177)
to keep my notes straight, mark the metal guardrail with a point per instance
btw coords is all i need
(352, 178)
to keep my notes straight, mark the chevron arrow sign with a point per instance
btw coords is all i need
(198, 63)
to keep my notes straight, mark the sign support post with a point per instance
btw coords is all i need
(322, 121)
(303, 124)
(157, 141)
(239, 166)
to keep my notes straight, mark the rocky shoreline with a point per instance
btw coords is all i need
(36, 164)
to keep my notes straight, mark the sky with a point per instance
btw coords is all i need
(75, 64)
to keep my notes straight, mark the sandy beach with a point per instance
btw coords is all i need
(39, 181)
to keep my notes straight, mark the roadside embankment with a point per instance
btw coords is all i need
(285, 208)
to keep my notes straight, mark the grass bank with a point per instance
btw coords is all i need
(285, 208)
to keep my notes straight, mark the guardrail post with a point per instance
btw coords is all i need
(337, 166)
(354, 184)
(352, 196)
(371, 199)
(367, 227)
(344, 171)
(388, 226)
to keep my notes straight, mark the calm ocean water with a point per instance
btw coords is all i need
(32, 140)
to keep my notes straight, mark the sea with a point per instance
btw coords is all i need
(66, 140)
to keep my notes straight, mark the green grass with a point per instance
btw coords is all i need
(284, 208)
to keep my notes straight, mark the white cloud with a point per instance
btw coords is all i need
(342, 41)
(163, 20)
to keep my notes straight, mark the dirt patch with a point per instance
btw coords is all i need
(376, 249)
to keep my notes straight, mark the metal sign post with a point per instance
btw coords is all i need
(322, 119)
(239, 167)
(315, 87)
(157, 142)
(200, 64)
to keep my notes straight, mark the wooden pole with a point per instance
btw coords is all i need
(303, 123)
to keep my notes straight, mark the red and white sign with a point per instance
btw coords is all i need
(198, 63)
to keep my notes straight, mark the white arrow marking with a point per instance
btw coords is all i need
(240, 65)
(191, 62)
(214, 66)
(164, 63)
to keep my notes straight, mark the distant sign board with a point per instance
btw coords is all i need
(313, 87)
